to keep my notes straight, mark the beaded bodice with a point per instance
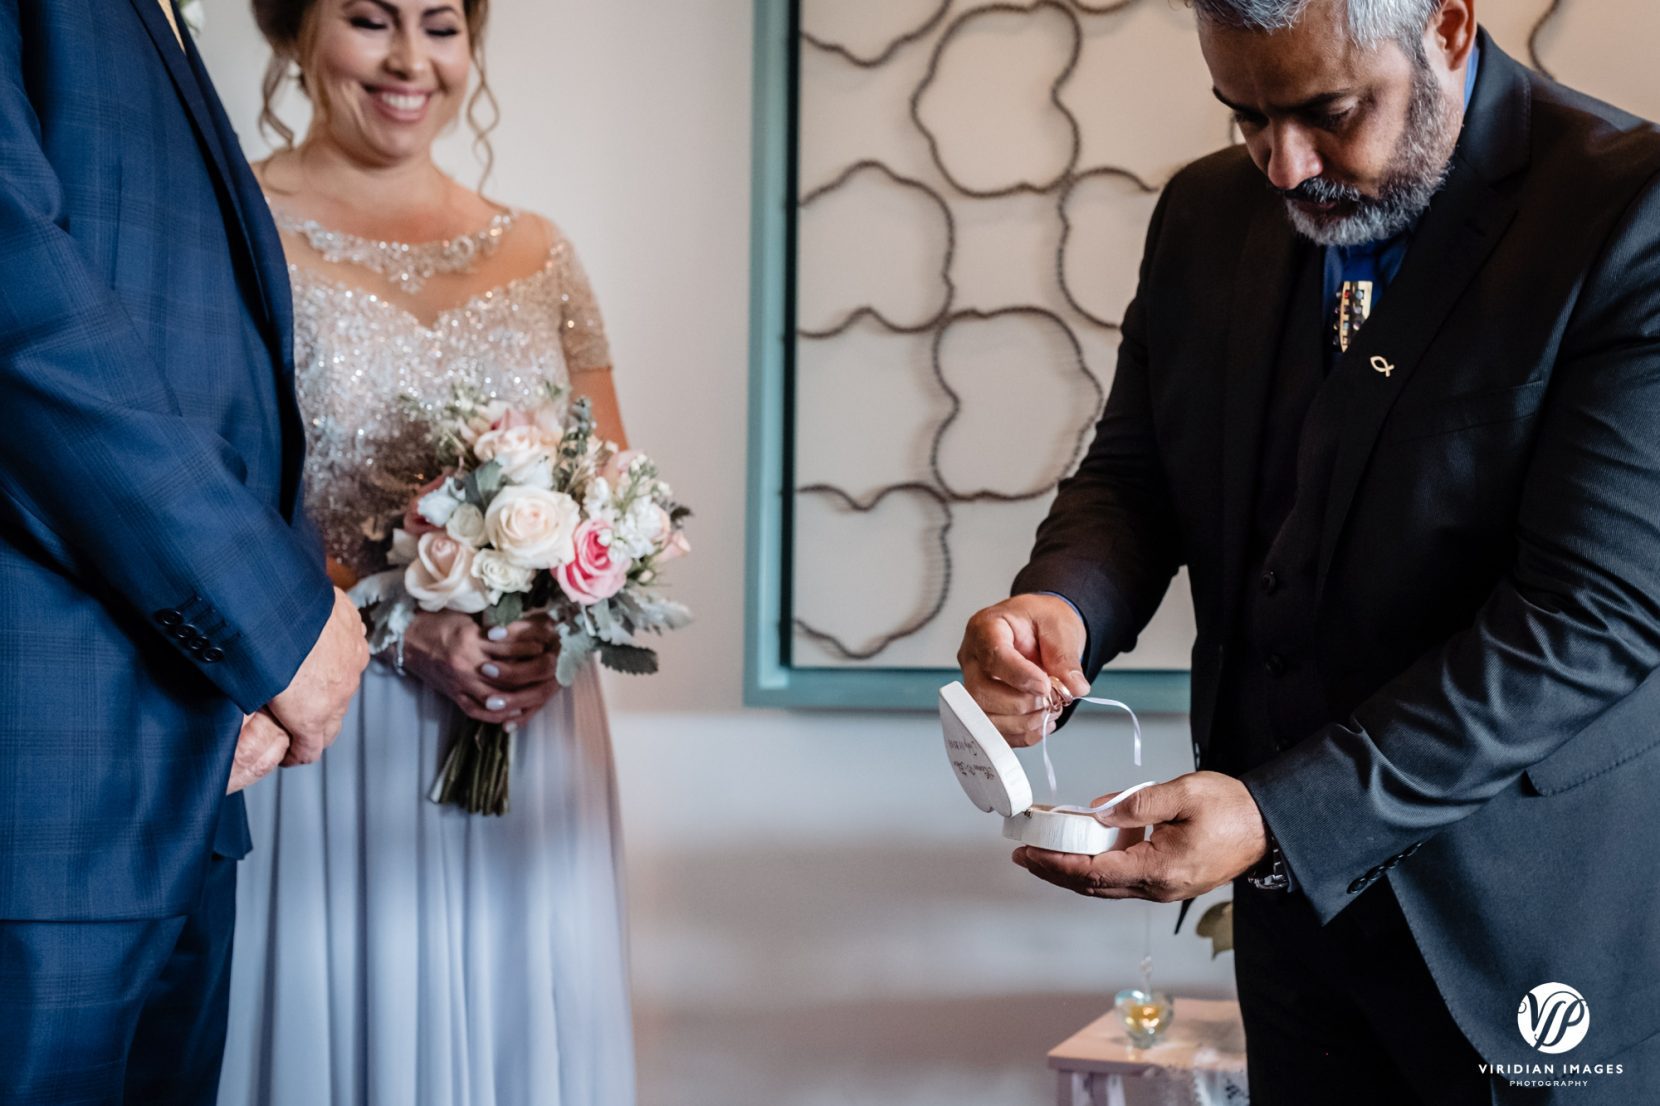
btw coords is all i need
(371, 377)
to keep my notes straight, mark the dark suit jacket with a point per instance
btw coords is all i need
(1487, 611)
(153, 585)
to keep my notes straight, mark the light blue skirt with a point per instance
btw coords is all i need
(392, 952)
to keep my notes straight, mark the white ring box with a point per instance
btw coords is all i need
(993, 778)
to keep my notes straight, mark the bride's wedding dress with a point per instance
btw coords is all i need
(389, 950)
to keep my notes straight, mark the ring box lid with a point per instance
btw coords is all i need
(985, 765)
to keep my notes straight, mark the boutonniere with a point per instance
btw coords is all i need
(191, 10)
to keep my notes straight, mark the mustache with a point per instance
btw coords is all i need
(1319, 190)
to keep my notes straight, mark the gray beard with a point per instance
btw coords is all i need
(1423, 160)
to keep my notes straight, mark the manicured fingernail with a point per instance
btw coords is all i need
(497, 633)
(495, 702)
(511, 727)
(490, 670)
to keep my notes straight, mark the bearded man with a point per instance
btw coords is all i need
(1399, 414)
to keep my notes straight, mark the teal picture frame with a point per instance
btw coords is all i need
(770, 678)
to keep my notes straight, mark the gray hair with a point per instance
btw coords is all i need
(1370, 21)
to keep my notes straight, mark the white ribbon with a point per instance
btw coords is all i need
(1049, 765)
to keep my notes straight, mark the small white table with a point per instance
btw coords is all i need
(1204, 1050)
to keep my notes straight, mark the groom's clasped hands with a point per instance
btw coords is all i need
(1186, 836)
(297, 725)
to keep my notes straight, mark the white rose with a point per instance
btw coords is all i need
(441, 576)
(532, 527)
(525, 453)
(466, 525)
(499, 574)
(439, 504)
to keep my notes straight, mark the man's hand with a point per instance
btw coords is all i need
(259, 748)
(1009, 655)
(1204, 829)
(314, 705)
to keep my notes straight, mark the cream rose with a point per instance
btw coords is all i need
(466, 525)
(524, 452)
(500, 575)
(532, 527)
(441, 576)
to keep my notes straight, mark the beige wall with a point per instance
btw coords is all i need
(879, 948)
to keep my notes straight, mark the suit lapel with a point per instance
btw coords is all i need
(253, 214)
(1453, 240)
(1262, 288)
(190, 81)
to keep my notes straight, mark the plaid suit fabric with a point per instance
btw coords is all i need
(148, 467)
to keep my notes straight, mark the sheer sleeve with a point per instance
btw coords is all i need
(582, 331)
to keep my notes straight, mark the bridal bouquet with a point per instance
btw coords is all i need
(531, 513)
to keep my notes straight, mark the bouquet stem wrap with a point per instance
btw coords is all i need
(476, 770)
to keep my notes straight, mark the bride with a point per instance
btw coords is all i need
(389, 950)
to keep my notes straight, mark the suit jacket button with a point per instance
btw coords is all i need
(1270, 582)
(211, 654)
(186, 633)
(1360, 885)
(169, 618)
(1274, 664)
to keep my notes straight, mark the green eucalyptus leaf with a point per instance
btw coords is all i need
(487, 480)
(509, 609)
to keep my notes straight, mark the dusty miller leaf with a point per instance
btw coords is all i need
(575, 650)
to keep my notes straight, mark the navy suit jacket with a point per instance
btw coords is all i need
(1486, 616)
(156, 579)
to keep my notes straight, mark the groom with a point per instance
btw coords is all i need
(158, 590)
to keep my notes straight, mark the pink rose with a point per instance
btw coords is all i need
(513, 417)
(677, 546)
(414, 522)
(616, 469)
(599, 569)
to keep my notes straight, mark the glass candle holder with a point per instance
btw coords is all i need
(1146, 1014)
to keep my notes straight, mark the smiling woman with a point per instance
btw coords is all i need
(408, 951)
(292, 26)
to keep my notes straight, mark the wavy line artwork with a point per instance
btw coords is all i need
(870, 310)
(882, 57)
(915, 625)
(946, 496)
(955, 28)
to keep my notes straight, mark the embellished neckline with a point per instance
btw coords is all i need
(408, 265)
(435, 325)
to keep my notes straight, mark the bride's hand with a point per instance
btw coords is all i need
(504, 680)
